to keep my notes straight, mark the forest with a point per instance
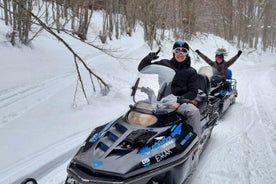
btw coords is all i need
(245, 23)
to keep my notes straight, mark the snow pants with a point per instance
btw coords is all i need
(193, 116)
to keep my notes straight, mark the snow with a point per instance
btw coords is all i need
(41, 126)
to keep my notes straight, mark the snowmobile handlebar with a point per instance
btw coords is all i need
(149, 92)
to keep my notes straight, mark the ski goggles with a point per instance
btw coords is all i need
(180, 50)
(219, 57)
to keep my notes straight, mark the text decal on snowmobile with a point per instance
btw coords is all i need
(186, 138)
(159, 157)
(147, 151)
(146, 162)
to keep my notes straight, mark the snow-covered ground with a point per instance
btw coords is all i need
(40, 126)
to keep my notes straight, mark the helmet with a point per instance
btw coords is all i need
(181, 44)
(220, 54)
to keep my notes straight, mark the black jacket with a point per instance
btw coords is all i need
(184, 83)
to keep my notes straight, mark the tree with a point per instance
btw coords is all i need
(22, 14)
(21, 22)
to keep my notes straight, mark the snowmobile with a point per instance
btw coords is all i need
(223, 89)
(151, 143)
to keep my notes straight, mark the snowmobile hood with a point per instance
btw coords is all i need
(150, 137)
(123, 150)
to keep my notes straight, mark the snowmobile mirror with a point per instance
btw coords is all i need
(157, 52)
(162, 91)
(134, 89)
(29, 181)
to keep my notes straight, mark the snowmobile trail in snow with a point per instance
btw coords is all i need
(30, 164)
(20, 102)
(49, 166)
(248, 126)
(16, 101)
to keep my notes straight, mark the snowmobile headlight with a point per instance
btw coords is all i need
(139, 118)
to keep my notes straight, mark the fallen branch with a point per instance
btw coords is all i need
(103, 85)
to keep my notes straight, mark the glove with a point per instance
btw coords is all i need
(167, 102)
(152, 56)
(239, 52)
(181, 100)
(197, 51)
(170, 99)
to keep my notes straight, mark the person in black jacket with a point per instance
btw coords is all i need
(184, 85)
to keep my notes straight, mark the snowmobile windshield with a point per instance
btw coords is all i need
(154, 86)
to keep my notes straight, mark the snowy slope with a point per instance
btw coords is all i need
(40, 128)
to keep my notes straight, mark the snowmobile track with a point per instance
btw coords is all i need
(14, 102)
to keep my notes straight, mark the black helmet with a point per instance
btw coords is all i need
(181, 43)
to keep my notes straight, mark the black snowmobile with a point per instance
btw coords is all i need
(223, 89)
(151, 143)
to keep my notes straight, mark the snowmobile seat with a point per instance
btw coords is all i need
(203, 84)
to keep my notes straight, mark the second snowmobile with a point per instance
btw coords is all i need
(223, 89)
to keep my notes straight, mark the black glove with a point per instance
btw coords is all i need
(197, 51)
(181, 100)
(239, 52)
(152, 56)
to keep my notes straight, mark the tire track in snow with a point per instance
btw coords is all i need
(216, 151)
(14, 102)
(45, 161)
(253, 163)
(241, 111)
(267, 115)
(262, 170)
(223, 136)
